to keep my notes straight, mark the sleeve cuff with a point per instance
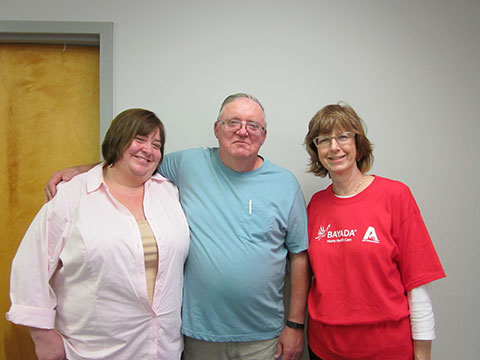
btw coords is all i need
(31, 316)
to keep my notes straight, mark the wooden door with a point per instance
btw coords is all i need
(49, 120)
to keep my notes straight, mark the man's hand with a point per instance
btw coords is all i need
(63, 175)
(290, 344)
(48, 344)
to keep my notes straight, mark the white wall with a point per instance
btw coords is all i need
(410, 68)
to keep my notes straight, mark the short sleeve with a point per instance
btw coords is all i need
(170, 166)
(297, 235)
(418, 261)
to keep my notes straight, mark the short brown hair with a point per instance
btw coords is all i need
(124, 128)
(341, 117)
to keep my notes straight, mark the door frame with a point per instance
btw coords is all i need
(72, 33)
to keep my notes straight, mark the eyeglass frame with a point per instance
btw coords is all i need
(338, 138)
(247, 124)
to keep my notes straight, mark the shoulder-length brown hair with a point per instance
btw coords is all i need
(125, 127)
(340, 117)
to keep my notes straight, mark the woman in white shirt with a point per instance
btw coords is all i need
(99, 273)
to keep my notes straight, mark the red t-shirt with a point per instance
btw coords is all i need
(366, 252)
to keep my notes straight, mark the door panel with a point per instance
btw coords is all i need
(49, 120)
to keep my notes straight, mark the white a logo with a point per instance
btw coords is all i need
(371, 235)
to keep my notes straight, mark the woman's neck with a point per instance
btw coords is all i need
(348, 184)
(127, 192)
(115, 177)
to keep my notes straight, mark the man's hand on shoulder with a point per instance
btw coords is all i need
(63, 175)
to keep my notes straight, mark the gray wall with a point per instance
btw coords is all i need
(410, 68)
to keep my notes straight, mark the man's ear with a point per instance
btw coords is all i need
(215, 129)
(264, 136)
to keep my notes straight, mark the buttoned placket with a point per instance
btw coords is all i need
(154, 325)
(137, 247)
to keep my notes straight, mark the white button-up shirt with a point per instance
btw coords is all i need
(80, 269)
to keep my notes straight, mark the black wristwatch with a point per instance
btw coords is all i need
(294, 325)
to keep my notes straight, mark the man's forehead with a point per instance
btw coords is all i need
(243, 107)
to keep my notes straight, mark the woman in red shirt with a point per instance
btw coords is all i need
(370, 252)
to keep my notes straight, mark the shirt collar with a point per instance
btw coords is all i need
(95, 178)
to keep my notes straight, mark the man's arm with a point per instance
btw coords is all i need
(63, 175)
(291, 341)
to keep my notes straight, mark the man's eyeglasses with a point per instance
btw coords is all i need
(341, 139)
(235, 125)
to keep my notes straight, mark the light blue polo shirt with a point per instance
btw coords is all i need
(242, 226)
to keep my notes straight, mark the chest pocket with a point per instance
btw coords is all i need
(255, 222)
